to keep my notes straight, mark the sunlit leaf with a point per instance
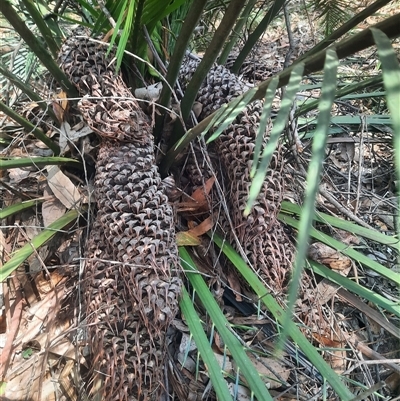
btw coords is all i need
(231, 112)
(266, 111)
(294, 332)
(19, 207)
(313, 176)
(19, 162)
(338, 222)
(221, 323)
(207, 355)
(345, 249)
(277, 129)
(391, 81)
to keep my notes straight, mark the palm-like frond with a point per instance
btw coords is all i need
(333, 13)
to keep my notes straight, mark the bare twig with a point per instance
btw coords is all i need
(290, 36)
(149, 42)
(343, 210)
(360, 163)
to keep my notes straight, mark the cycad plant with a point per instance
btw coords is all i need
(230, 145)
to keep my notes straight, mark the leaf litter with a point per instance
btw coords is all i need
(40, 339)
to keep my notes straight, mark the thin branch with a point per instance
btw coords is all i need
(211, 54)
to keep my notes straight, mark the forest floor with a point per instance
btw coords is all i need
(42, 347)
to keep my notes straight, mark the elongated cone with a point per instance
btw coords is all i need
(131, 284)
(261, 235)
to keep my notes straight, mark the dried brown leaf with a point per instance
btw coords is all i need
(185, 238)
(60, 105)
(235, 285)
(272, 371)
(203, 227)
(328, 256)
(200, 194)
(17, 175)
(393, 382)
(346, 237)
(62, 187)
(46, 284)
(241, 393)
(52, 209)
(325, 291)
(336, 358)
(192, 236)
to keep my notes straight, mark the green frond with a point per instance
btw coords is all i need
(332, 13)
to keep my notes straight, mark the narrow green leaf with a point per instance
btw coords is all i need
(313, 176)
(345, 250)
(125, 33)
(153, 12)
(297, 336)
(87, 6)
(235, 36)
(344, 93)
(344, 225)
(221, 323)
(8, 162)
(277, 129)
(232, 111)
(391, 81)
(106, 10)
(19, 207)
(118, 24)
(186, 139)
(270, 15)
(266, 112)
(29, 127)
(28, 90)
(2, 387)
(39, 240)
(40, 22)
(366, 95)
(350, 120)
(376, 299)
(203, 345)
(37, 47)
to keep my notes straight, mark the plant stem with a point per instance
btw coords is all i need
(37, 132)
(33, 42)
(28, 91)
(252, 40)
(211, 54)
(345, 48)
(359, 17)
(42, 26)
(191, 20)
(236, 32)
